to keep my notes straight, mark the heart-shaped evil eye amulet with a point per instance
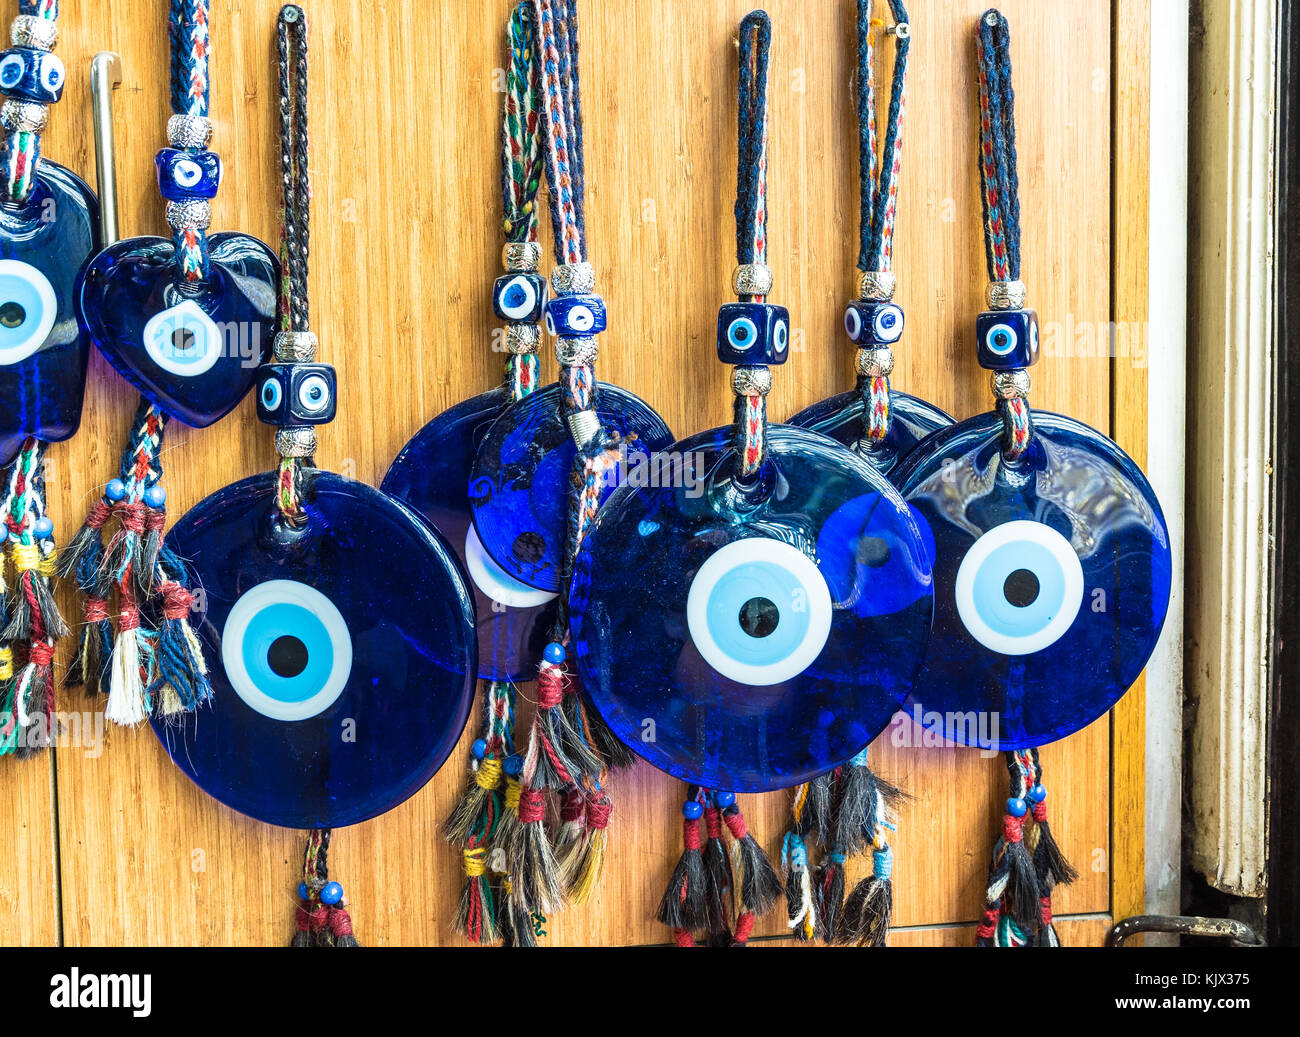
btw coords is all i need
(341, 652)
(1052, 578)
(750, 638)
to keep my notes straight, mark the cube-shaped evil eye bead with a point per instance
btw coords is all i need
(519, 298)
(188, 174)
(296, 394)
(873, 323)
(753, 333)
(29, 74)
(575, 316)
(1008, 339)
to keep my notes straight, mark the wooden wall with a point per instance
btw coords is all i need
(101, 848)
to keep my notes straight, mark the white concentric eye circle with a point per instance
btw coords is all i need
(272, 394)
(888, 324)
(273, 611)
(11, 71)
(183, 340)
(495, 582)
(742, 333)
(788, 585)
(187, 172)
(314, 394)
(781, 337)
(581, 319)
(518, 298)
(52, 72)
(1040, 558)
(853, 323)
(1001, 339)
(28, 308)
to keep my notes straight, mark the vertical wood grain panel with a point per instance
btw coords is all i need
(405, 248)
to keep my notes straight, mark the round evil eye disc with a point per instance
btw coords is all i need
(183, 340)
(28, 308)
(495, 582)
(759, 611)
(286, 650)
(518, 298)
(1001, 339)
(1019, 588)
(742, 333)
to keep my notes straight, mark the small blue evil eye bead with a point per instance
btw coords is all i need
(1008, 339)
(187, 174)
(28, 74)
(554, 653)
(272, 389)
(513, 766)
(575, 316)
(302, 891)
(1037, 794)
(873, 323)
(479, 749)
(155, 496)
(753, 333)
(692, 810)
(1017, 807)
(296, 394)
(331, 894)
(519, 298)
(724, 799)
(115, 490)
(43, 528)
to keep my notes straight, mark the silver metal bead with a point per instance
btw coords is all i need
(1011, 385)
(752, 279)
(573, 279)
(878, 285)
(584, 426)
(1007, 295)
(31, 31)
(576, 352)
(522, 339)
(192, 132)
(299, 441)
(876, 363)
(521, 256)
(295, 347)
(193, 212)
(23, 116)
(751, 381)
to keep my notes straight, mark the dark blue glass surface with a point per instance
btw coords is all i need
(841, 418)
(431, 474)
(42, 246)
(520, 485)
(334, 703)
(226, 323)
(751, 640)
(1051, 578)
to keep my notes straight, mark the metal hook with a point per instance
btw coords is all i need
(105, 76)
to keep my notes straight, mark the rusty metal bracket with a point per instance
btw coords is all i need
(1238, 934)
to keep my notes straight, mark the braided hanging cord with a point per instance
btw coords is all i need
(25, 119)
(188, 30)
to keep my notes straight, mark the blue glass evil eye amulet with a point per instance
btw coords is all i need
(520, 487)
(341, 654)
(191, 349)
(1052, 578)
(43, 352)
(431, 475)
(843, 418)
(751, 638)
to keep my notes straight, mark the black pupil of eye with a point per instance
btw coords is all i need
(314, 393)
(887, 321)
(183, 338)
(529, 547)
(287, 656)
(873, 552)
(742, 333)
(1021, 588)
(759, 617)
(1001, 339)
(516, 296)
(12, 315)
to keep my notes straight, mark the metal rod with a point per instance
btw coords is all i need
(105, 76)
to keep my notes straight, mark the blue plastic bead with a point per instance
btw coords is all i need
(753, 333)
(44, 528)
(302, 891)
(1008, 339)
(29, 74)
(187, 174)
(155, 496)
(724, 799)
(331, 894)
(514, 765)
(1037, 794)
(873, 323)
(296, 394)
(692, 810)
(115, 490)
(1017, 807)
(519, 298)
(576, 316)
(554, 653)
(478, 749)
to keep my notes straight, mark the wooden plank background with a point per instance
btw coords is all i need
(117, 846)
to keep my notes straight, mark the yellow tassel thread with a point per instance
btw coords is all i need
(50, 565)
(514, 789)
(488, 775)
(593, 863)
(476, 862)
(6, 664)
(27, 557)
